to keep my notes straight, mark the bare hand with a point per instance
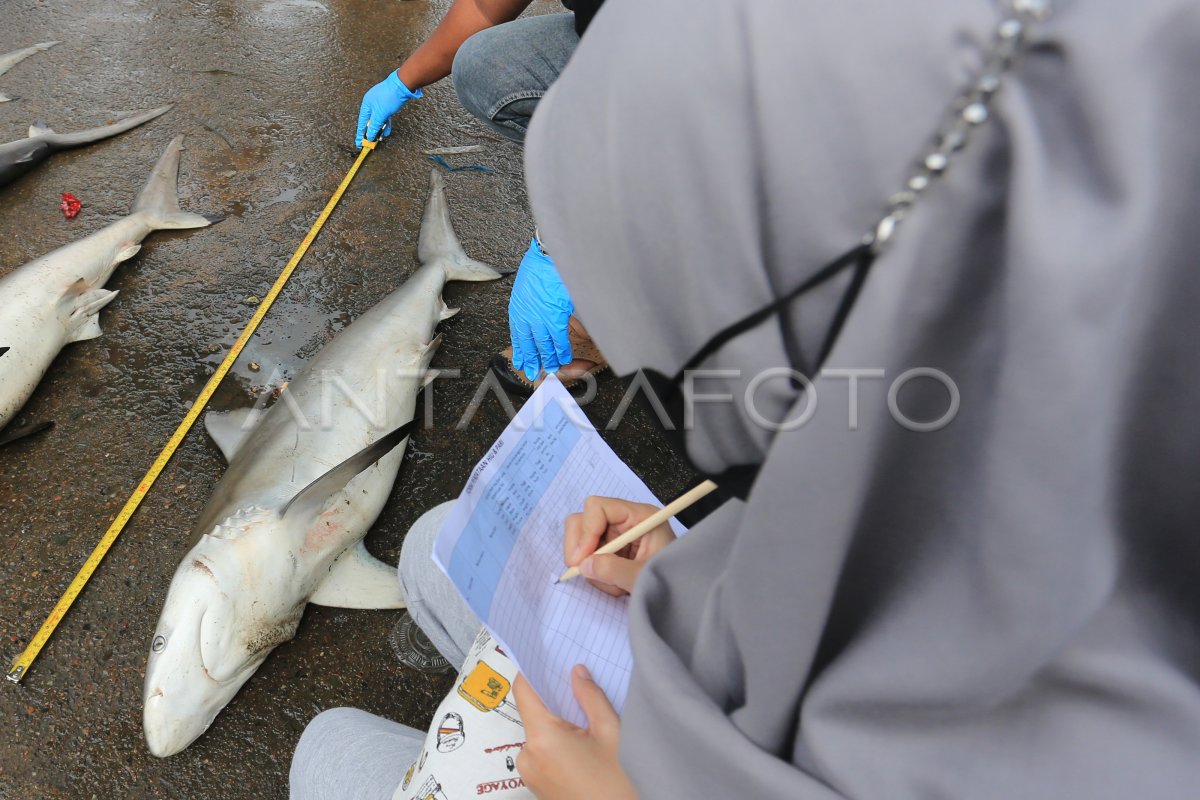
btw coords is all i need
(602, 520)
(560, 760)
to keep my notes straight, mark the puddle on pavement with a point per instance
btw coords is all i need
(286, 196)
(286, 13)
(290, 335)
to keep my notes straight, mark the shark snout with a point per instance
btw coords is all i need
(198, 657)
(167, 730)
(179, 708)
(177, 688)
(182, 696)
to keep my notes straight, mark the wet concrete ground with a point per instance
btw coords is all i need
(267, 92)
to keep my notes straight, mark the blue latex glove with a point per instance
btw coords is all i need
(539, 309)
(379, 103)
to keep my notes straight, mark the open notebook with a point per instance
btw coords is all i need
(501, 545)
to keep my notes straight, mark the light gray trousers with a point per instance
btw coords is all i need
(348, 754)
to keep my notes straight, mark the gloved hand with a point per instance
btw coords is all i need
(379, 103)
(539, 309)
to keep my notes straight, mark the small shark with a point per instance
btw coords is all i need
(10, 60)
(19, 157)
(306, 480)
(56, 299)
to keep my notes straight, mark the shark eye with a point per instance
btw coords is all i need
(159, 644)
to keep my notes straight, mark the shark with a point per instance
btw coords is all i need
(306, 479)
(21, 156)
(55, 300)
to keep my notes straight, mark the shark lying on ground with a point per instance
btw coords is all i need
(19, 157)
(10, 60)
(56, 299)
(282, 528)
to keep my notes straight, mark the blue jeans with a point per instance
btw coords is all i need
(501, 73)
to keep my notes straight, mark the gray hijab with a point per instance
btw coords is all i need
(1007, 607)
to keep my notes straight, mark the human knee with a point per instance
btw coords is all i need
(328, 722)
(417, 550)
(307, 761)
(476, 68)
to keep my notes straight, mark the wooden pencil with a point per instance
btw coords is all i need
(648, 524)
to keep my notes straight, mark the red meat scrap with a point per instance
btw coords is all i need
(70, 205)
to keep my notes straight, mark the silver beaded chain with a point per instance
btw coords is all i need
(970, 110)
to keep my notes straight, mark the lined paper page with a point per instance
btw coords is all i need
(501, 545)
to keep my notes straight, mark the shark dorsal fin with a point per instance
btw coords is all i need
(312, 498)
(39, 128)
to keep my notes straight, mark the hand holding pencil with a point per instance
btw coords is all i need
(611, 540)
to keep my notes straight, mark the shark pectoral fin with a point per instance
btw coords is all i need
(15, 433)
(312, 498)
(426, 356)
(88, 329)
(84, 320)
(229, 429)
(29, 153)
(359, 580)
(428, 350)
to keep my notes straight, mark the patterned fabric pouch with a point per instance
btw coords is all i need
(471, 748)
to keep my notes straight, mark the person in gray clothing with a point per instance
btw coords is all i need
(976, 580)
(1003, 607)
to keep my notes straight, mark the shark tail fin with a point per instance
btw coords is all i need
(61, 141)
(469, 269)
(158, 202)
(10, 60)
(438, 241)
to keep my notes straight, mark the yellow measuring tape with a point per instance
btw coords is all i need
(20, 667)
